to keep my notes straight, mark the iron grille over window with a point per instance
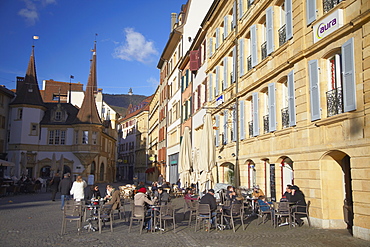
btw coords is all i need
(264, 50)
(266, 124)
(250, 124)
(249, 62)
(285, 117)
(329, 4)
(334, 101)
(282, 35)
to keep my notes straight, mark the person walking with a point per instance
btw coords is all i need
(65, 187)
(77, 190)
(54, 185)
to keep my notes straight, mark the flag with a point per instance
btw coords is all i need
(36, 37)
(72, 77)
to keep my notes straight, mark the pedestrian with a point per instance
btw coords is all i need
(54, 185)
(160, 179)
(78, 187)
(65, 187)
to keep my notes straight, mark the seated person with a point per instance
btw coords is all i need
(164, 197)
(141, 199)
(141, 185)
(237, 199)
(209, 198)
(115, 199)
(299, 198)
(189, 195)
(257, 192)
(288, 193)
(106, 194)
(266, 206)
(230, 193)
(92, 193)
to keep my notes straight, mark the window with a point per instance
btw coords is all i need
(334, 97)
(255, 116)
(329, 4)
(94, 137)
(85, 137)
(57, 137)
(76, 136)
(20, 113)
(2, 119)
(272, 107)
(58, 116)
(242, 119)
(34, 129)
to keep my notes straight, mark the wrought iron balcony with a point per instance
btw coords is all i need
(222, 86)
(329, 4)
(285, 117)
(250, 125)
(334, 101)
(282, 35)
(249, 63)
(249, 4)
(264, 50)
(266, 124)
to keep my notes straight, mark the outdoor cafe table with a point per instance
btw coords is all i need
(93, 208)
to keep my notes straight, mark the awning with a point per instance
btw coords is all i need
(6, 163)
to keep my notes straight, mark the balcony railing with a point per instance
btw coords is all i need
(249, 4)
(249, 63)
(250, 125)
(334, 101)
(329, 4)
(282, 35)
(266, 124)
(264, 50)
(231, 78)
(285, 117)
(222, 86)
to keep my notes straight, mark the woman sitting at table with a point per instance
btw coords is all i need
(189, 195)
(257, 192)
(141, 199)
(92, 193)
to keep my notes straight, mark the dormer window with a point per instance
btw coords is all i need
(58, 116)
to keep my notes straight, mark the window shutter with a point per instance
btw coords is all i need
(226, 26)
(291, 99)
(187, 78)
(182, 83)
(234, 65)
(217, 37)
(225, 73)
(233, 138)
(240, 8)
(225, 127)
(349, 82)
(234, 15)
(199, 96)
(251, 1)
(254, 45)
(289, 19)
(241, 57)
(314, 89)
(310, 11)
(256, 128)
(269, 31)
(210, 87)
(242, 120)
(194, 60)
(210, 45)
(217, 139)
(272, 106)
(217, 80)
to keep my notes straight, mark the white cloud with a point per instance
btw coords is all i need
(136, 47)
(31, 10)
(153, 82)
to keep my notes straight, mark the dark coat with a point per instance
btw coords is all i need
(54, 183)
(299, 199)
(65, 186)
(210, 200)
(164, 198)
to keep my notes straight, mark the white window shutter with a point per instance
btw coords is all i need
(272, 106)
(241, 57)
(314, 89)
(226, 71)
(217, 80)
(291, 99)
(242, 120)
(289, 19)
(226, 26)
(210, 87)
(234, 64)
(256, 128)
(217, 37)
(254, 56)
(310, 11)
(217, 132)
(349, 82)
(210, 47)
(241, 8)
(269, 30)
(225, 127)
(234, 15)
(233, 138)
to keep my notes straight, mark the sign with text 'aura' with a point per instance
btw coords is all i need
(327, 25)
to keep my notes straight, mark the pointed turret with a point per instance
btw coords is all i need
(88, 112)
(28, 91)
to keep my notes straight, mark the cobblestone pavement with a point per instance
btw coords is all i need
(35, 220)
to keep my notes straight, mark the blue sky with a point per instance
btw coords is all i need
(131, 37)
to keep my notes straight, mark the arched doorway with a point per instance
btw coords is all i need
(336, 187)
(251, 173)
(287, 173)
(101, 174)
(45, 172)
(227, 173)
(66, 169)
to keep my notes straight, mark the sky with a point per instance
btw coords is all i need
(130, 37)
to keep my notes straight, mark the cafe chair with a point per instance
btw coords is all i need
(192, 208)
(236, 211)
(203, 213)
(120, 210)
(166, 213)
(137, 213)
(306, 213)
(105, 213)
(283, 211)
(72, 212)
(263, 214)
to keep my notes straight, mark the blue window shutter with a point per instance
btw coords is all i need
(314, 89)
(226, 71)
(310, 11)
(234, 65)
(254, 45)
(217, 80)
(269, 30)
(289, 19)
(225, 127)
(272, 106)
(256, 127)
(242, 120)
(217, 37)
(241, 57)
(240, 8)
(233, 138)
(217, 139)
(234, 15)
(210, 46)
(187, 78)
(291, 99)
(226, 26)
(349, 83)
(210, 87)
(182, 84)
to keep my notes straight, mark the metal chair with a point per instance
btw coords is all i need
(72, 212)
(192, 208)
(120, 210)
(203, 213)
(263, 214)
(283, 211)
(236, 211)
(137, 213)
(306, 212)
(167, 213)
(105, 213)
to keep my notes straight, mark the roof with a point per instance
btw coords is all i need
(134, 110)
(68, 108)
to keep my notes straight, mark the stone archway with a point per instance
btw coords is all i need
(227, 173)
(336, 190)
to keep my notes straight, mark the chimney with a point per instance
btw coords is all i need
(173, 20)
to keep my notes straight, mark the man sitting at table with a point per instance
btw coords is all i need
(299, 199)
(116, 200)
(164, 197)
(210, 199)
